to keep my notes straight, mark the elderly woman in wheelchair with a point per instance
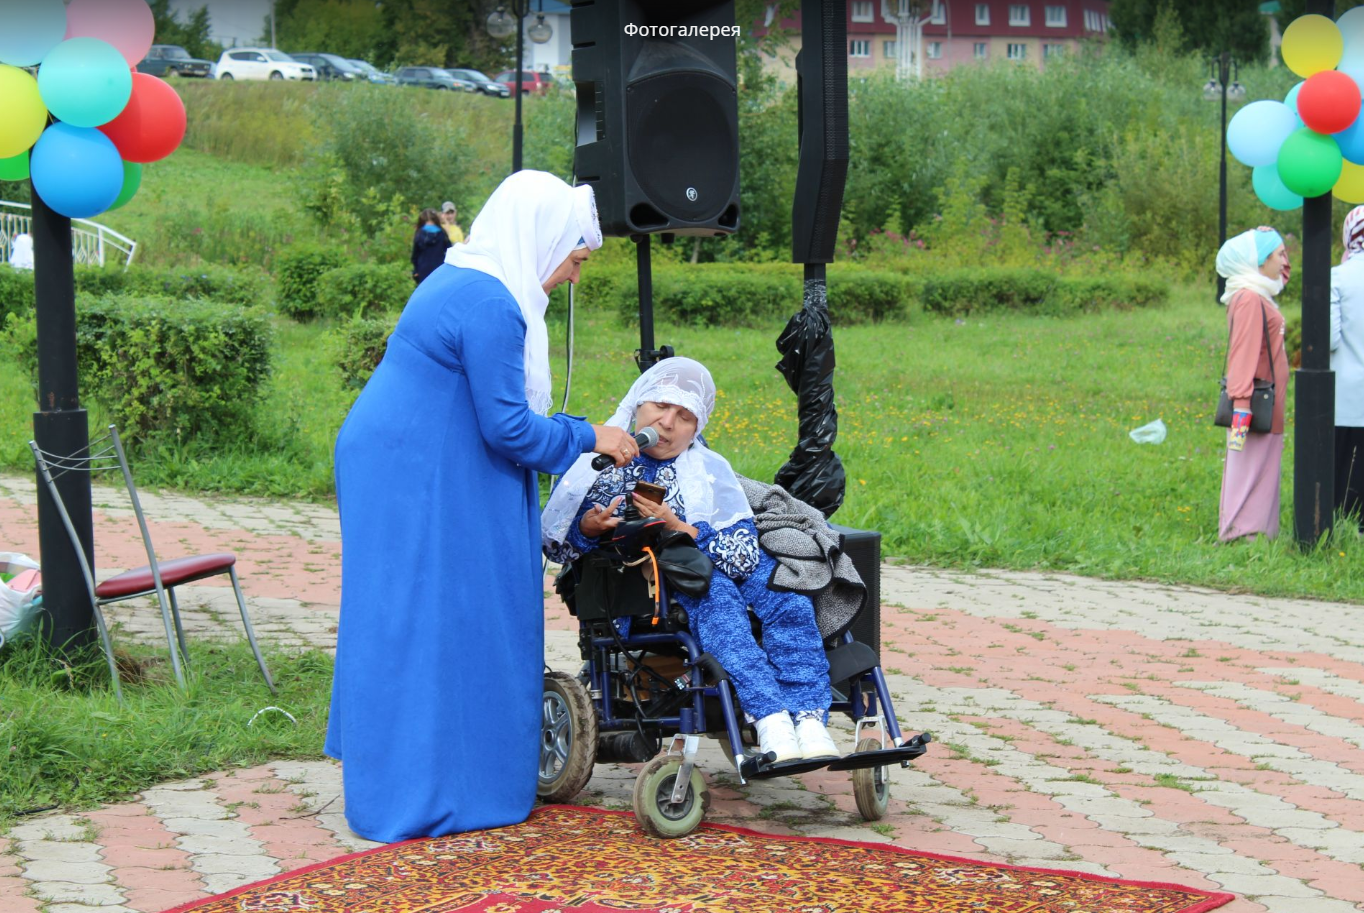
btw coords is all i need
(678, 514)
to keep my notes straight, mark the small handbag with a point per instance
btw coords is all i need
(1261, 398)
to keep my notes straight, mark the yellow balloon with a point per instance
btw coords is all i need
(23, 116)
(1312, 44)
(1350, 187)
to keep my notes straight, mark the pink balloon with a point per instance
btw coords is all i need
(126, 24)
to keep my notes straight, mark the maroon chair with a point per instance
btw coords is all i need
(159, 577)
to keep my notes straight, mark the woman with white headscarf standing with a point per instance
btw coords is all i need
(435, 711)
(1347, 361)
(1253, 265)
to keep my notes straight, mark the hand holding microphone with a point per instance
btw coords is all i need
(617, 447)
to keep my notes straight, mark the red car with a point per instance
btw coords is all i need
(531, 82)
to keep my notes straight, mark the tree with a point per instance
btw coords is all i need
(1208, 28)
(450, 33)
(192, 35)
(1292, 9)
(349, 28)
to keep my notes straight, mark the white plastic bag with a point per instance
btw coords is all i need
(1153, 433)
(18, 608)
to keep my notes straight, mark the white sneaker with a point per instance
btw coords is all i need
(777, 734)
(814, 739)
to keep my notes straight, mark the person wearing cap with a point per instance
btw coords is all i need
(1253, 263)
(448, 215)
(438, 682)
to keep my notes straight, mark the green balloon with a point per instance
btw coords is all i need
(1310, 163)
(132, 179)
(15, 168)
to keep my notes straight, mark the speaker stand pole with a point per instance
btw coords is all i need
(646, 356)
(520, 9)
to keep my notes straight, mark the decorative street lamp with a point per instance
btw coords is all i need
(1221, 69)
(500, 25)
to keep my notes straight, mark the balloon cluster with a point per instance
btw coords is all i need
(1312, 142)
(107, 120)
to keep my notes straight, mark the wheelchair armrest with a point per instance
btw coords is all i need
(849, 661)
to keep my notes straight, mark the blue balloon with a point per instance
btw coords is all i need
(1351, 139)
(85, 82)
(29, 29)
(76, 170)
(1258, 130)
(1291, 99)
(1271, 190)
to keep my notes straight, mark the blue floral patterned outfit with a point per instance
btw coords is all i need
(789, 671)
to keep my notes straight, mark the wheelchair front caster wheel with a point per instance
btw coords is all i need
(871, 785)
(654, 807)
(568, 739)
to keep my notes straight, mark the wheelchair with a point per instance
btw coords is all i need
(646, 682)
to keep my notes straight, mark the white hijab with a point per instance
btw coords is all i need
(527, 228)
(1239, 263)
(21, 254)
(710, 492)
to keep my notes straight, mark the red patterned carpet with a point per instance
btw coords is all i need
(583, 860)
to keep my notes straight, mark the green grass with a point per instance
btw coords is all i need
(67, 742)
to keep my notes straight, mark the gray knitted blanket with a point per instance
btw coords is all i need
(809, 555)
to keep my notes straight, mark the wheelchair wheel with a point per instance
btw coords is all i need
(568, 739)
(654, 808)
(871, 785)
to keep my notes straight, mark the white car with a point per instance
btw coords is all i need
(260, 63)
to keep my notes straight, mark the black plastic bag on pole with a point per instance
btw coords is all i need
(814, 473)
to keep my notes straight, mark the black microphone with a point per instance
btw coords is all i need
(645, 438)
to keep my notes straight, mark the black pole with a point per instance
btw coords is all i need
(60, 427)
(1222, 68)
(518, 9)
(647, 356)
(1314, 430)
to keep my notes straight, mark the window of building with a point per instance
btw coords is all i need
(889, 51)
(1104, 23)
(1056, 16)
(982, 50)
(1019, 14)
(1053, 50)
(1018, 51)
(982, 14)
(862, 11)
(935, 50)
(859, 49)
(939, 14)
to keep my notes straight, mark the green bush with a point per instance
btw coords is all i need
(970, 290)
(16, 291)
(722, 294)
(205, 280)
(358, 345)
(297, 271)
(186, 367)
(362, 289)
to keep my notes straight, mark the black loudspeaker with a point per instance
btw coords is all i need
(822, 173)
(658, 117)
(863, 546)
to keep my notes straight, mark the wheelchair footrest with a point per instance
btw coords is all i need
(913, 748)
(760, 768)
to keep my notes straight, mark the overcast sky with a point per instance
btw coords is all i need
(234, 21)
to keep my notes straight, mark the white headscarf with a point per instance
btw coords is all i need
(1239, 263)
(527, 228)
(21, 254)
(710, 492)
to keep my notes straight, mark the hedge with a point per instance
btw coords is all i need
(358, 345)
(362, 289)
(185, 367)
(209, 281)
(16, 291)
(297, 271)
(1035, 291)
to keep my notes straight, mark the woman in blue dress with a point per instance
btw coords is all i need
(435, 711)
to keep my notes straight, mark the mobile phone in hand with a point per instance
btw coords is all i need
(651, 492)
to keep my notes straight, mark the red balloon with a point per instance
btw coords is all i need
(153, 123)
(1329, 101)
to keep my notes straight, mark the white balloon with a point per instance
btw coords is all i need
(1351, 25)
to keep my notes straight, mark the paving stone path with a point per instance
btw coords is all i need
(1125, 729)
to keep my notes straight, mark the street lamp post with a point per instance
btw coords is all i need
(1222, 69)
(500, 25)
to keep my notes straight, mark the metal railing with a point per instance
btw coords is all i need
(92, 244)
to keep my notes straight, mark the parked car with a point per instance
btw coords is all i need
(331, 67)
(429, 78)
(373, 73)
(261, 63)
(482, 83)
(172, 60)
(532, 83)
(462, 84)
